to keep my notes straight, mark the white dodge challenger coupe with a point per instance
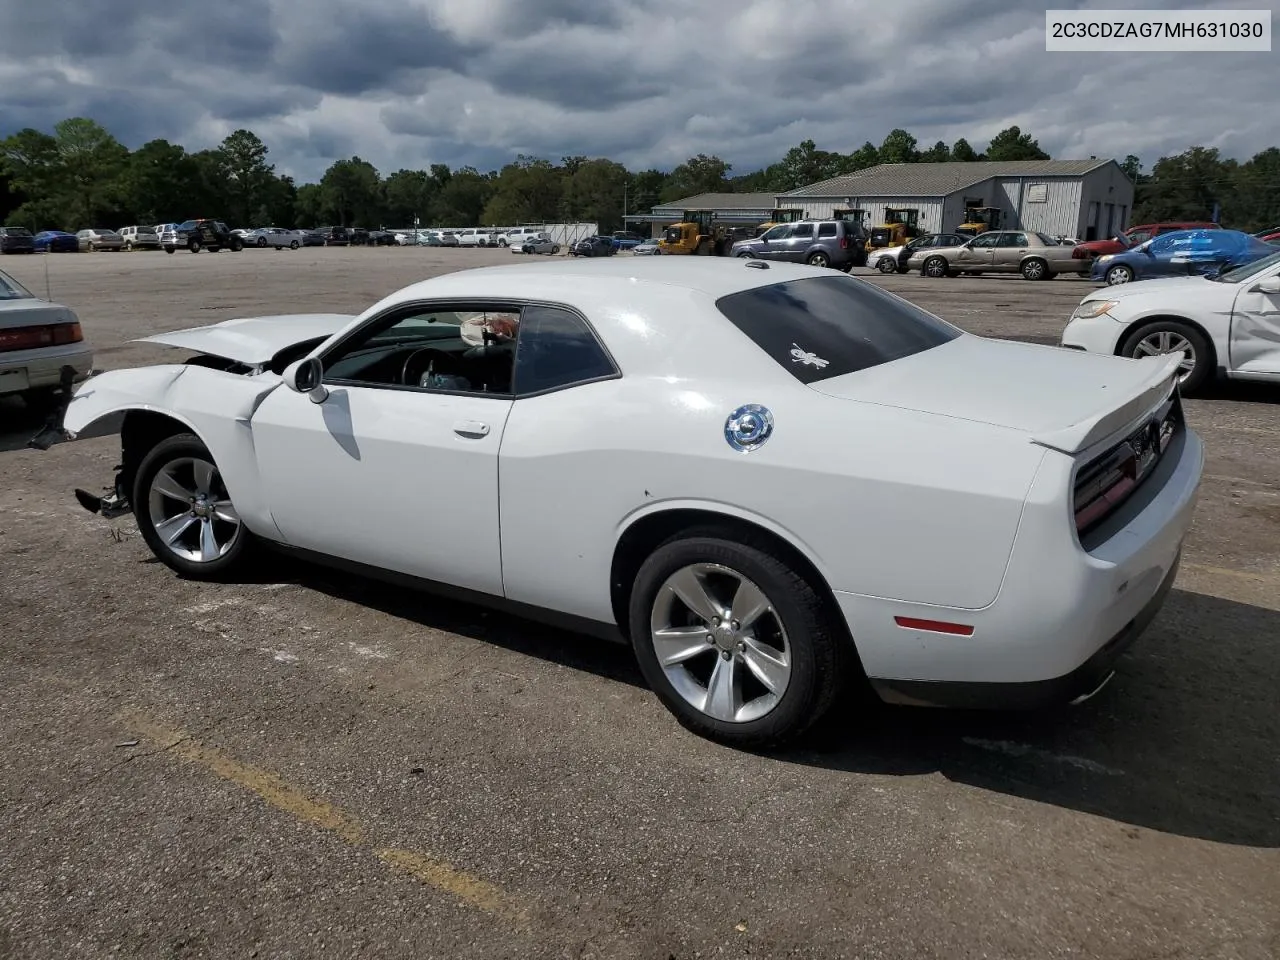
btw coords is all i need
(770, 479)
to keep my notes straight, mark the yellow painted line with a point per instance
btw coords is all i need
(1237, 574)
(289, 799)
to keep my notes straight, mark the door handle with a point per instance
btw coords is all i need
(471, 429)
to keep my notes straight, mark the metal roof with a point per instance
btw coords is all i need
(935, 179)
(721, 201)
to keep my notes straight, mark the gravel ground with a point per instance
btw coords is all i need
(310, 765)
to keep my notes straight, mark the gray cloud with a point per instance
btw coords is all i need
(406, 83)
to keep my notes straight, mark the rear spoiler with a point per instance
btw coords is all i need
(1146, 395)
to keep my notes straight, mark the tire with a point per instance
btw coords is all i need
(887, 265)
(193, 246)
(170, 249)
(1035, 269)
(818, 259)
(170, 463)
(293, 244)
(129, 247)
(262, 241)
(555, 248)
(813, 649)
(745, 255)
(1167, 336)
(935, 267)
(1118, 274)
(236, 245)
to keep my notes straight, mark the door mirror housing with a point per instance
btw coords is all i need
(1270, 285)
(306, 376)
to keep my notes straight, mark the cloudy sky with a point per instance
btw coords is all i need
(647, 82)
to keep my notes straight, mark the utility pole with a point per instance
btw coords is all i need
(624, 205)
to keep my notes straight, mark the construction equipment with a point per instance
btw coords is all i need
(777, 217)
(979, 220)
(697, 233)
(891, 235)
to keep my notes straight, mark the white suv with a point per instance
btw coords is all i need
(518, 234)
(140, 238)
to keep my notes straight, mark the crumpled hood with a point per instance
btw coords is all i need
(253, 340)
(1064, 399)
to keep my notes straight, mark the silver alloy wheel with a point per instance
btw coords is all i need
(1119, 274)
(819, 260)
(1033, 269)
(191, 512)
(1168, 342)
(720, 642)
(936, 267)
(887, 265)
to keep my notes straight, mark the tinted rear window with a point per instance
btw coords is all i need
(826, 327)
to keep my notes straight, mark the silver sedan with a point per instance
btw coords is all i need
(1037, 256)
(277, 237)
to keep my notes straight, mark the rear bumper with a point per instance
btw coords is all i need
(24, 370)
(1081, 682)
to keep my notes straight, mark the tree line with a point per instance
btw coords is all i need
(79, 175)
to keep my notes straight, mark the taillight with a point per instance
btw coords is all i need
(844, 243)
(47, 335)
(1078, 254)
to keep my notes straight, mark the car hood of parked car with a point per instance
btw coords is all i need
(1176, 286)
(253, 340)
(1063, 399)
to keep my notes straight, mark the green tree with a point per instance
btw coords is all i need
(249, 179)
(594, 193)
(409, 194)
(938, 153)
(1255, 200)
(526, 191)
(700, 174)
(352, 192)
(1186, 187)
(805, 164)
(309, 208)
(157, 182)
(865, 156)
(1132, 168)
(960, 150)
(1013, 144)
(90, 165)
(462, 198)
(29, 160)
(899, 147)
(646, 191)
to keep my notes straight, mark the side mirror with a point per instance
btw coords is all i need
(1269, 285)
(305, 376)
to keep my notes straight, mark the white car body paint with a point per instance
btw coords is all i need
(873, 258)
(937, 486)
(1242, 322)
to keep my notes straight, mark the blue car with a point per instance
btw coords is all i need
(1181, 253)
(57, 241)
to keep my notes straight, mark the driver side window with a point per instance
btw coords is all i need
(459, 350)
(986, 240)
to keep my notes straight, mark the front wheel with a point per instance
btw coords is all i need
(737, 644)
(237, 245)
(887, 265)
(194, 246)
(262, 241)
(293, 244)
(1171, 337)
(185, 513)
(935, 267)
(1119, 274)
(170, 249)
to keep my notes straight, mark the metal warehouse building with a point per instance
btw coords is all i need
(1089, 199)
(735, 209)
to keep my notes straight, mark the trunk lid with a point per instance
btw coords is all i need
(1062, 399)
(253, 340)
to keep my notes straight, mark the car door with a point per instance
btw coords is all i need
(1009, 251)
(797, 243)
(1254, 340)
(397, 466)
(978, 253)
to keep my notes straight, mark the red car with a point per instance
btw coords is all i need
(1136, 235)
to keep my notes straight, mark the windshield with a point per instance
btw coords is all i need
(11, 289)
(828, 326)
(1245, 271)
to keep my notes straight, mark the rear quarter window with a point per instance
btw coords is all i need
(824, 327)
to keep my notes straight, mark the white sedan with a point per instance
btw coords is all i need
(1230, 323)
(535, 243)
(885, 259)
(772, 480)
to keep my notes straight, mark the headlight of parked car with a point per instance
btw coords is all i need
(1093, 308)
(1105, 257)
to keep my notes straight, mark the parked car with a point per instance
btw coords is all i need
(895, 259)
(626, 240)
(439, 238)
(140, 238)
(39, 339)
(167, 234)
(100, 238)
(334, 236)
(1136, 235)
(56, 241)
(596, 246)
(382, 238)
(16, 240)
(998, 541)
(1180, 253)
(515, 235)
(312, 238)
(1036, 256)
(197, 235)
(1229, 322)
(819, 243)
(649, 248)
(535, 243)
(277, 237)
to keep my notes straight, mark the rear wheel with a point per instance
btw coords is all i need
(262, 241)
(237, 245)
(935, 267)
(184, 512)
(737, 644)
(194, 246)
(1035, 269)
(1172, 337)
(818, 259)
(293, 244)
